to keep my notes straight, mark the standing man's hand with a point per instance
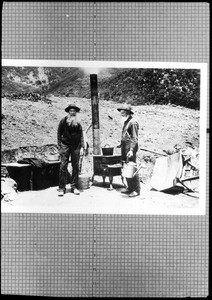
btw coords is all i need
(81, 151)
(130, 153)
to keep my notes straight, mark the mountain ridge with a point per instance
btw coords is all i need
(134, 86)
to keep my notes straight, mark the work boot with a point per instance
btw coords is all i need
(61, 192)
(133, 194)
(125, 191)
(75, 191)
(130, 185)
(135, 184)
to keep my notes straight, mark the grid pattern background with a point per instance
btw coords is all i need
(105, 255)
(47, 254)
(47, 30)
(153, 31)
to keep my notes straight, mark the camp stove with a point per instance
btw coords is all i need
(107, 166)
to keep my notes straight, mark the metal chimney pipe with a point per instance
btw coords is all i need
(95, 114)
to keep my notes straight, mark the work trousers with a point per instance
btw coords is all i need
(66, 152)
(133, 184)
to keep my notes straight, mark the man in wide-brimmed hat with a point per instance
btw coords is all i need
(70, 143)
(129, 147)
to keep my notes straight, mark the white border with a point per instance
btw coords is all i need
(94, 66)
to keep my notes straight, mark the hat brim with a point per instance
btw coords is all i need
(74, 107)
(131, 112)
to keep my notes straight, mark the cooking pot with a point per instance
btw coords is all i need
(107, 150)
(129, 169)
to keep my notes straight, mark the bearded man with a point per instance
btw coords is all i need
(129, 147)
(70, 143)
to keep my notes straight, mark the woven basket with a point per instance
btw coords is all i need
(51, 153)
(52, 157)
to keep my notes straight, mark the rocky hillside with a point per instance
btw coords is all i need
(27, 124)
(165, 102)
(135, 86)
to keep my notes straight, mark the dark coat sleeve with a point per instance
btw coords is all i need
(63, 136)
(59, 133)
(82, 142)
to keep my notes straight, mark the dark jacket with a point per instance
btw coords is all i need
(70, 135)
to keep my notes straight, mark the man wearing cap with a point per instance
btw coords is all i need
(129, 147)
(70, 143)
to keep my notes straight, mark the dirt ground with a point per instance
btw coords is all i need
(98, 199)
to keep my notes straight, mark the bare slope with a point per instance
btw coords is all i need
(28, 123)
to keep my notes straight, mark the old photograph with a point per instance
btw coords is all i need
(103, 137)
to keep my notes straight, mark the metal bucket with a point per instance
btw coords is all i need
(83, 182)
(107, 150)
(129, 169)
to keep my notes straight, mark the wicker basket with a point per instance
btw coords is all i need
(51, 153)
(52, 157)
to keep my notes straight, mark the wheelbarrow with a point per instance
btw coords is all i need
(169, 170)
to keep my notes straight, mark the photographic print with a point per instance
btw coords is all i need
(103, 137)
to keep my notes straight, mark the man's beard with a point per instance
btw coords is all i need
(72, 121)
(124, 119)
